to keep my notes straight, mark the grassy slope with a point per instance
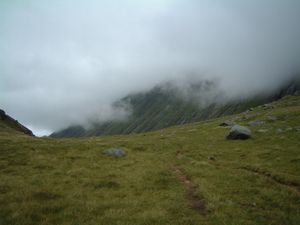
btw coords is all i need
(163, 106)
(159, 109)
(12, 124)
(166, 178)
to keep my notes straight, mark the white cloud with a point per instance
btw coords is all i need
(64, 61)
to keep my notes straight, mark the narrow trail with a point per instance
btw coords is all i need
(289, 185)
(195, 202)
(293, 187)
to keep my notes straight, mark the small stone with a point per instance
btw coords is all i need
(212, 158)
(227, 123)
(114, 152)
(271, 118)
(279, 130)
(256, 123)
(263, 131)
(268, 106)
(246, 117)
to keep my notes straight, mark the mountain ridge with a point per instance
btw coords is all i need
(14, 124)
(163, 107)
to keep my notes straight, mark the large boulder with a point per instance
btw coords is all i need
(238, 132)
(114, 152)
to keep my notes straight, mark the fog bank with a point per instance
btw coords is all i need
(64, 62)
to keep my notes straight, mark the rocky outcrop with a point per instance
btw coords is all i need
(2, 114)
(14, 123)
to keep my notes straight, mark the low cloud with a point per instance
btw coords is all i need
(65, 62)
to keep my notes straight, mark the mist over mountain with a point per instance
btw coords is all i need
(149, 112)
(67, 62)
(173, 103)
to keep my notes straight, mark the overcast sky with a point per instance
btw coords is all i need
(66, 61)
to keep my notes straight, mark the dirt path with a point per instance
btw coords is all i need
(195, 202)
(293, 187)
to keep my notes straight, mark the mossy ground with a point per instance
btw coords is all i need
(164, 174)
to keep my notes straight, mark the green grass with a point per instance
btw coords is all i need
(160, 108)
(69, 181)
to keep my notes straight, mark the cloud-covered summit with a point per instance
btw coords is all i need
(65, 62)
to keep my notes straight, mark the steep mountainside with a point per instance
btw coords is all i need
(12, 125)
(163, 107)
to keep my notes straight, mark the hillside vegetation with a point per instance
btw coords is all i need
(8, 122)
(188, 174)
(165, 106)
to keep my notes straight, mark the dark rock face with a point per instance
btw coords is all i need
(238, 132)
(114, 152)
(227, 123)
(15, 123)
(2, 114)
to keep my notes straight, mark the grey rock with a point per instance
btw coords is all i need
(268, 106)
(212, 158)
(227, 123)
(114, 152)
(245, 117)
(239, 132)
(279, 130)
(271, 118)
(256, 123)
